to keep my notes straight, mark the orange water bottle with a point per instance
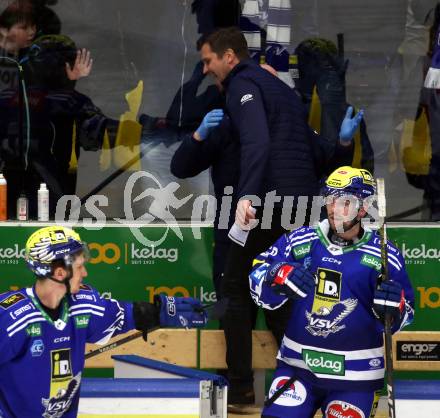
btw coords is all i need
(3, 199)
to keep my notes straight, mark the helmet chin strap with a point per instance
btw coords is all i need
(335, 238)
(65, 281)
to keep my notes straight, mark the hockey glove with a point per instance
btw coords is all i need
(389, 298)
(349, 125)
(209, 122)
(290, 279)
(180, 312)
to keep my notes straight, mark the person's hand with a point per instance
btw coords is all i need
(350, 125)
(180, 312)
(209, 122)
(290, 279)
(82, 65)
(245, 214)
(389, 299)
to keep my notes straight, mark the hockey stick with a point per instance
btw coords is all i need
(381, 203)
(215, 311)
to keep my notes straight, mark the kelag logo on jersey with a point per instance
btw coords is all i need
(82, 321)
(324, 363)
(34, 330)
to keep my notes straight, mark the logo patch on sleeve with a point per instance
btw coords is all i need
(11, 300)
(246, 98)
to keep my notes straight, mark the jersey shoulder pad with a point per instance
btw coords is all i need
(300, 241)
(17, 311)
(373, 252)
(86, 294)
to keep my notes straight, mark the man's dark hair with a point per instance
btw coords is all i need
(228, 38)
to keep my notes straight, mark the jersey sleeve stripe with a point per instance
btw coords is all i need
(21, 320)
(85, 311)
(31, 321)
(86, 305)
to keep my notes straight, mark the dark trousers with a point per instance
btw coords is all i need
(239, 319)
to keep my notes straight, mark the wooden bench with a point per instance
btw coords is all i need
(206, 349)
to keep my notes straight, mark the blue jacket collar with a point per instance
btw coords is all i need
(239, 67)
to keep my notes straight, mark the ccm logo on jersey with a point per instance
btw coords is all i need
(246, 98)
(332, 260)
(61, 339)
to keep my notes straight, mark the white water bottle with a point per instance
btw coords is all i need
(43, 203)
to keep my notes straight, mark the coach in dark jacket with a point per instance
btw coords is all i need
(269, 123)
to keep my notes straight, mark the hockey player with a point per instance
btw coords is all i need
(44, 328)
(331, 356)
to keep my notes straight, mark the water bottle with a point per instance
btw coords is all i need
(3, 198)
(22, 208)
(43, 203)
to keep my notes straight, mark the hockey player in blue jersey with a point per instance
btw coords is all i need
(44, 328)
(331, 355)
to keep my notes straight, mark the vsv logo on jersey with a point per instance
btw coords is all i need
(57, 405)
(326, 321)
(37, 348)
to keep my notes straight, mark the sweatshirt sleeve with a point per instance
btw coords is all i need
(192, 157)
(245, 107)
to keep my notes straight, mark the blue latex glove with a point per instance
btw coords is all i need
(389, 298)
(180, 312)
(350, 125)
(209, 122)
(290, 279)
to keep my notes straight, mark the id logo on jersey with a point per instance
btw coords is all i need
(61, 364)
(329, 284)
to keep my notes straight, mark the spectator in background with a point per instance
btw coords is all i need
(51, 65)
(268, 122)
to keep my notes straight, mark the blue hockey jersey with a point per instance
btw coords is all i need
(41, 360)
(333, 338)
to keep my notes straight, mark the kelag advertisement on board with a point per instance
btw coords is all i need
(123, 267)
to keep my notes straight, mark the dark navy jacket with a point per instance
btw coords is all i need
(269, 120)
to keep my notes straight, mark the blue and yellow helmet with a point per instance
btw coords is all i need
(49, 244)
(349, 181)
